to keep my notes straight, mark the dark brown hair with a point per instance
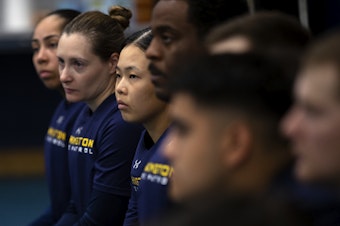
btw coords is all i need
(106, 32)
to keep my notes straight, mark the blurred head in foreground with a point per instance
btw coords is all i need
(224, 139)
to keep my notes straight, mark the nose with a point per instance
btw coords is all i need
(291, 122)
(153, 52)
(41, 55)
(121, 87)
(64, 74)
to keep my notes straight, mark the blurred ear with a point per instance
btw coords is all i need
(236, 144)
(113, 61)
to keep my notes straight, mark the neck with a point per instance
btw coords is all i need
(158, 124)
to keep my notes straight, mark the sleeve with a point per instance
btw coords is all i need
(44, 219)
(111, 183)
(104, 209)
(69, 217)
(131, 217)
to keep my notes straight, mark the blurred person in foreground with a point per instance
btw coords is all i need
(225, 146)
(283, 38)
(313, 122)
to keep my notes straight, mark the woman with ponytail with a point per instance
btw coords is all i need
(101, 145)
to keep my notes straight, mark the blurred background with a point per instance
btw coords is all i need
(26, 105)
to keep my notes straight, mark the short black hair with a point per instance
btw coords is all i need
(206, 14)
(235, 79)
(251, 84)
(267, 31)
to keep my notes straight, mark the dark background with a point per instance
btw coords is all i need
(26, 105)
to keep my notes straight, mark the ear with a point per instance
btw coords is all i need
(237, 144)
(113, 61)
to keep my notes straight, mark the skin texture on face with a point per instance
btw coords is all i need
(135, 93)
(237, 44)
(193, 148)
(44, 45)
(313, 125)
(84, 76)
(173, 37)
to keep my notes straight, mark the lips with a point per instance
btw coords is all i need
(45, 74)
(69, 90)
(122, 105)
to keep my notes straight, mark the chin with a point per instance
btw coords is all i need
(72, 99)
(52, 86)
(128, 119)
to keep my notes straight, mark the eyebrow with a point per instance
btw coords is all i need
(46, 38)
(164, 28)
(129, 68)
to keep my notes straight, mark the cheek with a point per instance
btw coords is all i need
(144, 99)
(326, 134)
(323, 150)
(199, 154)
(329, 143)
(95, 77)
(54, 60)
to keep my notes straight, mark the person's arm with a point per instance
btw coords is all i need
(131, 216)
(69, 217)
(111, 183)
(104, 209)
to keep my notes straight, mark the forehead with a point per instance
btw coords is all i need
(74, 45)
(319, 82)
(170, 13)
(132, 55)
(48, 25)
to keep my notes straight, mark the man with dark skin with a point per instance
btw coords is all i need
(179, 28)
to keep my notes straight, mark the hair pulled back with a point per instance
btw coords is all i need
(105, 32)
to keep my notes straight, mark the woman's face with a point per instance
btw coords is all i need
(84, 75)
(44, 45)
(135, 92)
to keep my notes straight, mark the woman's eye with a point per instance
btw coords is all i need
(133, 76)
(61, 65)
(78, 64)
(35, 50)
(53, 45)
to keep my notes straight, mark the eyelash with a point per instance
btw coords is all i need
(166, 39)
(35, 50)
(51, 45)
